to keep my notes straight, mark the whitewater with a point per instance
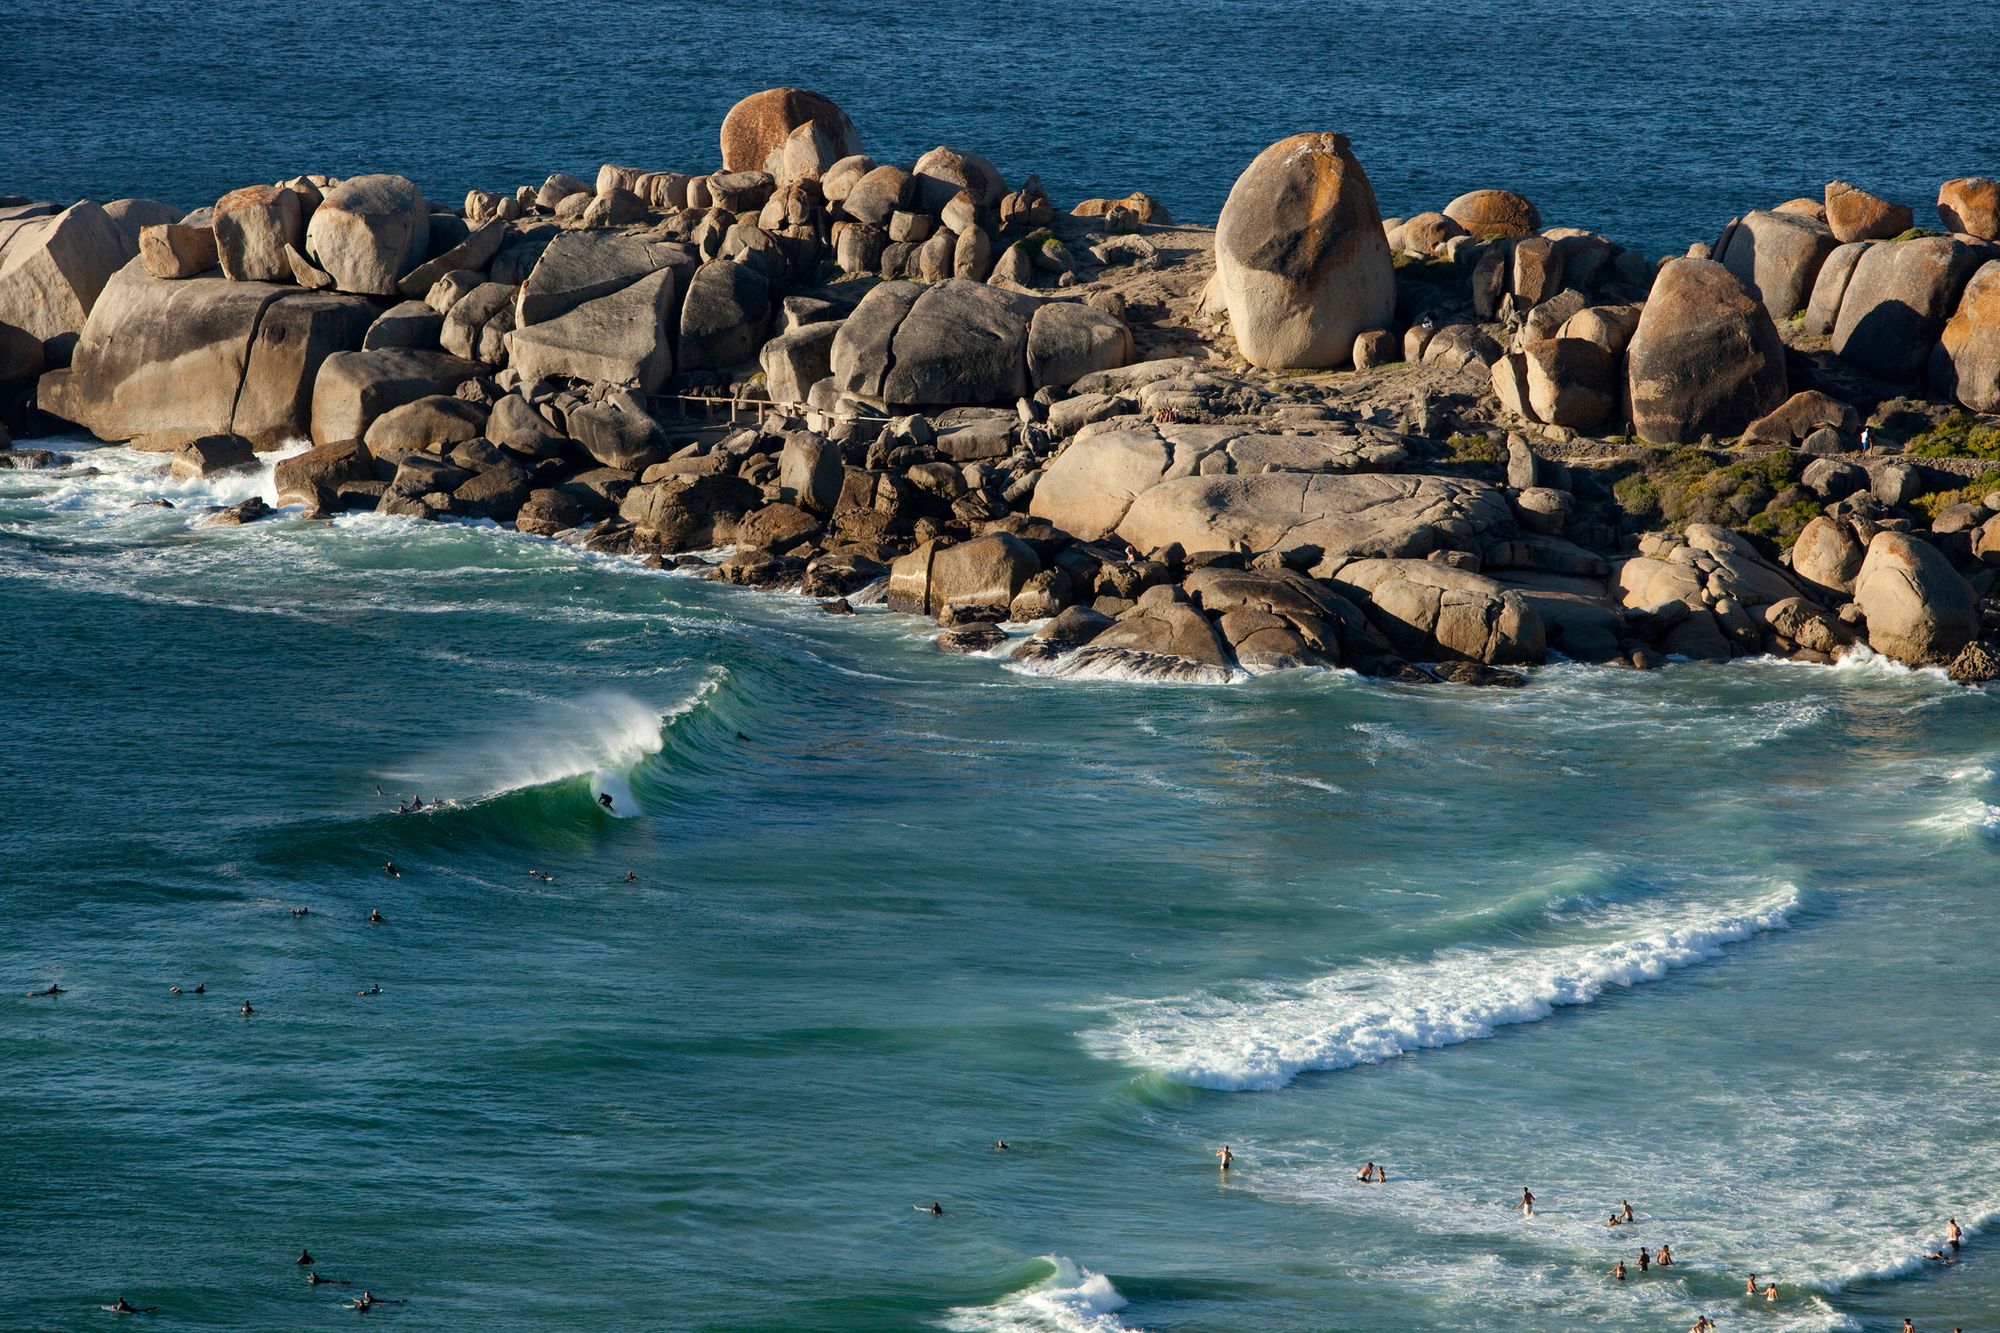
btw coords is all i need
(1715, 940)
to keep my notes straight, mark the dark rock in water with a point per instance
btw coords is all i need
(308, 477)
(497, 493)
(25, 460)
(1474, 673)
(752, 567)
(1976, 663)
(547, 512)
(249, 511)
(153, 504)
(971, 639)
(839, 606)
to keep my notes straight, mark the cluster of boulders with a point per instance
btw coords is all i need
(313, 305)
(944, 410)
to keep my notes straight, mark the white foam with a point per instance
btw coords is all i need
(1134, 668)
(601, 736)
(128, 477)
(1072, 1299)
(1265, 1035)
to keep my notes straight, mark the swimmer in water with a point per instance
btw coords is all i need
(935, 1210)
(314, 1279)
(41, 994)
(1527, 1204)
(247, 1010)
(1666, 1256)
(1618, 1270)
(631, 877)
(302, 911)
(1771, 1293)
(1645, 1260)
(1952, 1232)
(1750, 1285)
(201, 988)
(305, 1259)
(375, 989)
(1612, 1220)
(1626, 1204)
(1366, 1174)
(123, 1306)
(375, 916)
(1000, 1145)
(1225, 1156)
(1381, 1176)
(389, 869)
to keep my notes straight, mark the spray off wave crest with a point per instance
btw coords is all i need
(1070, 1299)
(1266, 1035)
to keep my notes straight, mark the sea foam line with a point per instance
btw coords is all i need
(1071, 1299)
(1377, 1011)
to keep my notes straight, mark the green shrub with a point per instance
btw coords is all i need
(1959, 435)
(1930, 506)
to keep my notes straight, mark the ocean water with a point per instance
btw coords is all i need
(1719, 941)
(1653, 123)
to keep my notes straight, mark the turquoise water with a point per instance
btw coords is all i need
(1717, 941)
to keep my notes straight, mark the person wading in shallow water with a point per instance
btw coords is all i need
(1225, 1156)
(1527, 1204)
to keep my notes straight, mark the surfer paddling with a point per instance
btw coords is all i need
(44, 994)
(123, 1306)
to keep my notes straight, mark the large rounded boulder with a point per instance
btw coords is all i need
(755, 130)
(1971, 204)
(1896, 304)
(1919, 611)
(1706, 358)
(368, 232)
(1778, 255)
(1966, 362)
(1301, 258)
(1487, 214)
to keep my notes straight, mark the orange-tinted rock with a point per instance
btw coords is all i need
(1489, 213)
(1971, 204)
(757, 127)
(1301, 260)
(1966, 362)
(1856, 215)
(1706, 358)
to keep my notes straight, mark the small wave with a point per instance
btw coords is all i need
(1967, 816)
(1070, 1299)
(1375, 1012)
(1126, 667)
(1902, 1259)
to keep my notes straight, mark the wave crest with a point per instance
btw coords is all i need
(1375, 1012)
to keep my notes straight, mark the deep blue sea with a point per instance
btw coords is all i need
(1719, 941)
(1652, 122)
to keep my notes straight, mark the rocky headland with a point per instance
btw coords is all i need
(1428, 448)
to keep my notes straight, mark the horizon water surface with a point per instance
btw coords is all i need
(1714, 940)
(1654, 124)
